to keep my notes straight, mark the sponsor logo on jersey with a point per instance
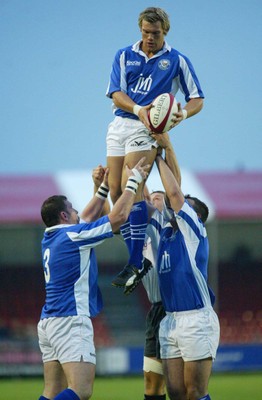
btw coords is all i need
(165, 265)
(133, 63)
(164, 64)
(143, 85)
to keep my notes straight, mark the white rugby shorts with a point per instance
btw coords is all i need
(126, 135)
(67, 339)
(192, 335)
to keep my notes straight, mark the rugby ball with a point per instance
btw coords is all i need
(161, 112)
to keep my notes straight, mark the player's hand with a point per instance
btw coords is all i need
(106, 173)
(143, 116)
(138, 169)
(98, 174)
(178, 116)
(162, 140)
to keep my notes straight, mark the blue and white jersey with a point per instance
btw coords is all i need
(70, 268)
(143, 78)
(150, 250)
(183, 262)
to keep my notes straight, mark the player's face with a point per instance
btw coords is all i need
(157, 200)
(72, 214)
(152, 37)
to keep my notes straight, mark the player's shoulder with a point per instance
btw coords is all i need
(125, 49)
(190, 217)
(175, 52)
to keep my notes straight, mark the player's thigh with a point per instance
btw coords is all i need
(174, 374)
(196, 375)
(131, 159)
(55, 380)
(115, 165)
(80, 377)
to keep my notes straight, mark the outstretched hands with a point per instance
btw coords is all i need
(177, 117)
(100, 175)
(139, 171)
(162, 139)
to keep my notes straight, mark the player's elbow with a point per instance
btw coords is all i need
(117, 219)
(199, 103)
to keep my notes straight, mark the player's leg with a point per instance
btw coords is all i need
(55, 380)
(80, 377)
(73, 344)
(196, 376)
(115, 152)
(199, 350)
(173, 364)
(174, 375)
(138, 219)
(154, 381)
(115, 165)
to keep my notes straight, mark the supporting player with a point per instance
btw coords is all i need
(189, 333)
(154, 382)
(65, 329)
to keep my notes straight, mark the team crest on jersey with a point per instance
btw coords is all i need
(164, 64)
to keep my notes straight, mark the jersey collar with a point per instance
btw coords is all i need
(136, 48)
(55, 227)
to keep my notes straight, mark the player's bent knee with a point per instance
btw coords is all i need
(152, 365)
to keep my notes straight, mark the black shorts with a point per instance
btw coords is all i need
(153, 318)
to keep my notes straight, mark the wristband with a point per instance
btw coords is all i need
(137, 176)
(136, 109)
(132, 184)
(102, 191)
(184, 113)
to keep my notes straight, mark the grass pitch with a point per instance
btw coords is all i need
(222, 387)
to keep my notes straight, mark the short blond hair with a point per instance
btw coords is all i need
(153, 15)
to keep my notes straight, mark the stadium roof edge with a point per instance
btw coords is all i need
(229, 195)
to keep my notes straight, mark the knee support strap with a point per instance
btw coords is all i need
(152, 365)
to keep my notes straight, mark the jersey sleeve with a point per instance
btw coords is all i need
(187, 80)
(91, 234)
(116, 77)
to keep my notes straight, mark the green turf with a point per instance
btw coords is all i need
(222, 387)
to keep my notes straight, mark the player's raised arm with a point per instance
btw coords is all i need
(98, 205)
(171, 185)
(170, 157)
(100, 187)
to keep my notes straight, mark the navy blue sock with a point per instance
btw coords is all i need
(207, 397)
(67, 394)
(43, 398)
(138, 223)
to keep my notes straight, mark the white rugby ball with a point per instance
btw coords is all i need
(160, 114)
